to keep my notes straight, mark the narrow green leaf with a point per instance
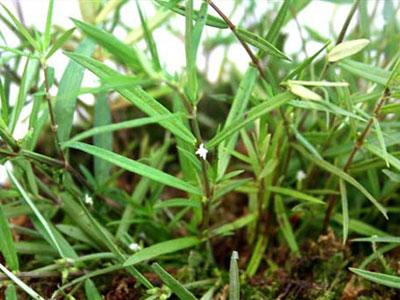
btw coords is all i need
(303, 92)
(209, 294)
(91, 291)
(59, 42)
(380, 278)
(237, 224)
(36, 211)
(394, 76)
(135, 167)
(345, 209)
(7, 247)
(366, 71)
(149, 40)
(172, 283)
(395, 177)
(346, 49)
(68, 91)
(379, 239)
(20, 283)
(299, 68)
(256, 258)
(102, 118)
(162, 248)
(192, 41)
(381, 140)
(117, 126)
(254, 113)
(11, 292)
(177, 202)
(346, 177)
(66, 249)
(22, 30)
(285, 225)
(326, 107)
(28, 80)
(387, 157)
(4, 104)
(238, 108)
(359, 227)
(47, 30)
(260, 43)
(279, 22)
(295, 194)
(137, 97)
(319, 83)
(75, 233)
(192, 84)
(234, 281)
(100, 235)
(128, 55)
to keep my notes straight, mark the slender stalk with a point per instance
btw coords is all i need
(204, 173)
(53, 124)
(347, 22)
(232, 27)
(357, 146)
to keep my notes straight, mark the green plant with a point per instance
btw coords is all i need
(165, 163)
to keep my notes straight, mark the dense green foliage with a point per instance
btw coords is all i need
(280, 182)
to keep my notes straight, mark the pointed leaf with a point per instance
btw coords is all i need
(135, 167)
(138, 97)
(346, 49)
(162, 248)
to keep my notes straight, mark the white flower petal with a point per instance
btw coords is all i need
(202, 151)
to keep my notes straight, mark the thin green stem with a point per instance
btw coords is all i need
(53, 124)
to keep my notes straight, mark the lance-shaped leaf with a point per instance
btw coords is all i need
(137, 96)
(260, 43)
(343, 175)
(7, 247)
(255, 113)
(380, 278)
(346, 49)
(68, 91)
(182, 292)
(238, 107)
(234, 280)
(162, 248)
(135, 167)
(303, 92)
(37, 213)
(124, 53)
(366, 71)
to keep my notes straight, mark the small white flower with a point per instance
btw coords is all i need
(88, 200)
(390, 116)
(202, 152)
(300, 175)
(135, 247)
